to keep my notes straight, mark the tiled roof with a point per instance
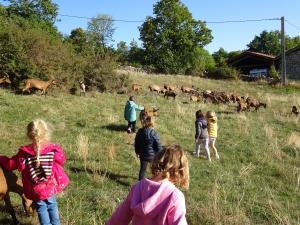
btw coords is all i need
(258, 54)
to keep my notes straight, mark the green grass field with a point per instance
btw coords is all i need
(255, 181)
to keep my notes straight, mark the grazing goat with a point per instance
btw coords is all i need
(187, 89)
(163, 91)
(236, 97)
(194, 98)
(136, 87)
(252, 102)
(154, 87)
(82, 88)
(38, 84)
(9, 182)
(194, 92)
(242, 106)
(5, 79)
(295, 110)
(171, 94)
(146, 113)
(170, 87)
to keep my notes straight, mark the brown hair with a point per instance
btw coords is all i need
(172, 163)
(37, 132)
(199, 114)
(148, 122)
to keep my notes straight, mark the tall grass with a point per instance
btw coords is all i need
(255, 181)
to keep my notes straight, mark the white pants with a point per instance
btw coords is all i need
(205, 145)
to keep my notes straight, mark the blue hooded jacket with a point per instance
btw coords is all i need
(129, 111)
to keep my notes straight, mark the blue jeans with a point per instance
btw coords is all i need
(47, 211)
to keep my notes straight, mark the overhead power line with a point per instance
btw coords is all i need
(229, 21)
(292, 24)
(137, 21)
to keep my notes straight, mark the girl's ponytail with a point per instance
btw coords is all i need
(37, 132)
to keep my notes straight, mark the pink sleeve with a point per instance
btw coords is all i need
(10, 163)
(59, 156)
(123, 214)
(176, 214)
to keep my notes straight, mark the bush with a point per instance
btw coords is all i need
(224, 72)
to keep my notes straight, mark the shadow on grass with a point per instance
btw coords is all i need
(115, 127)
(8, 219)
(107, 174)
(226, 112)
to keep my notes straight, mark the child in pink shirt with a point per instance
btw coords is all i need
(157, 200)
(42, 174)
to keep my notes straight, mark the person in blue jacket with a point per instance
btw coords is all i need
(147, 143)
(130, 114)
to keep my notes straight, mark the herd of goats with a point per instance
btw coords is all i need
(168, 90)
(244, 105)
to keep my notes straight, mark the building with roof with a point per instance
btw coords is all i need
(252, 63)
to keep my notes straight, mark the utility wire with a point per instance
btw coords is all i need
(136, 21)
(292, 24)
(230, 21)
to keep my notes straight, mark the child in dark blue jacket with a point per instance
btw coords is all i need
(147, 143)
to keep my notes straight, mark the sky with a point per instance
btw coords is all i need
(234, 24)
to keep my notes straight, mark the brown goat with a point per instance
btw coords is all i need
(171, 87)
(154, 87)
(82, 88)
(163, 91)
(9, 182)
(146, 113)
(236, 97)
(242, 106)
(38, 84)
(194, 98)
(187, 89)
(295, 110)
(171, 94)
(136, 87)
(252, 102)
(5, 79)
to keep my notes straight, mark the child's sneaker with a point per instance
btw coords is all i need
(217, 156)
(196, 154)
(208, 159)
(129, 130)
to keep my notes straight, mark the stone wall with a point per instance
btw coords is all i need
(293, 64)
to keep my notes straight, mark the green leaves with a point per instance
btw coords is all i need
(169, 37)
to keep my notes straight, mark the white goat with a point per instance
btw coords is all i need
(82, 88)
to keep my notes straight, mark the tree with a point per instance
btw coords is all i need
(171, 36)
(122, 52)
(220, 57)
(201, 61)
(78, 39)
(100, 31)
(270, 43)
(38, 13)
(267, 43)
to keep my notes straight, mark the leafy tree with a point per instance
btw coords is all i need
(100, 31)
(270, 43)
(78, 38)
(201, 62)
(38, 13)
(170, 36)
(220, 57)
(234, 53)
(122, 52)
(267, 43)
(292, 42)
(135, 55)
